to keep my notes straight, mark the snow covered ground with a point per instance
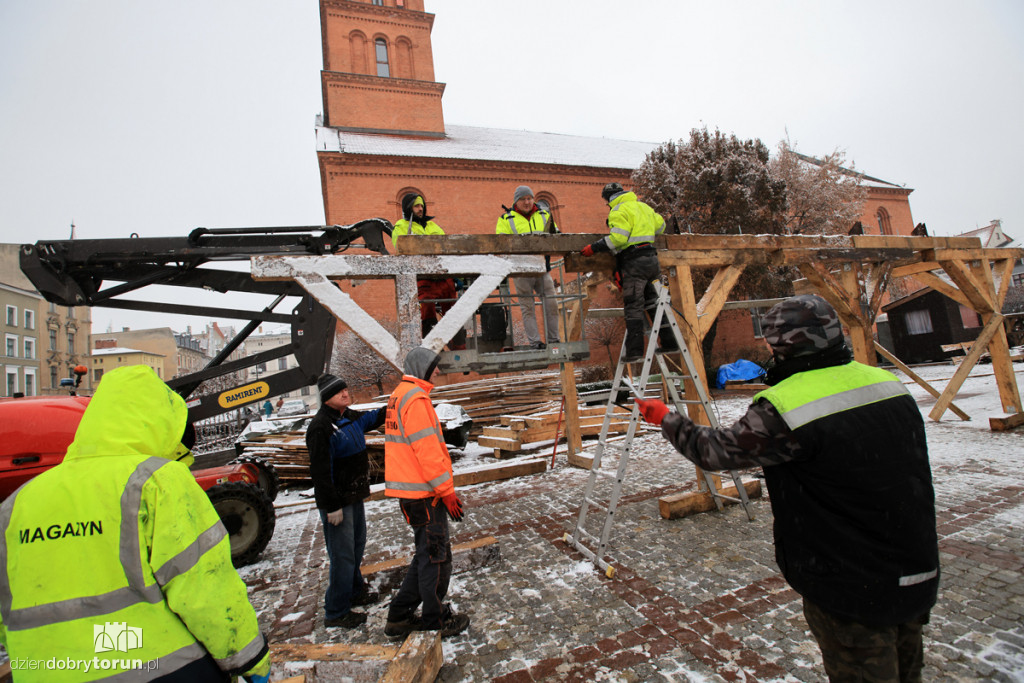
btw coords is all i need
(540, 611)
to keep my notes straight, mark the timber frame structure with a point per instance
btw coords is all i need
(851, 272)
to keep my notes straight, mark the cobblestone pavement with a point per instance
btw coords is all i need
(695, 599)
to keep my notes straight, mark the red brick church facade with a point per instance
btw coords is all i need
(383, 134)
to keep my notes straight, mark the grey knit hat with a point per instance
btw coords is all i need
(328, 385)
(521, 191)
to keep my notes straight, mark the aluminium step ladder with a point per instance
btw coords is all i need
(596, 547)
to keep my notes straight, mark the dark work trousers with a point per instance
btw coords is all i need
(639, 269)
(427, 579)
(345, 545)
(859, 652)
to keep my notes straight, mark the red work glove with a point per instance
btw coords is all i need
(653, 410)
(454, 505)
(588, 250)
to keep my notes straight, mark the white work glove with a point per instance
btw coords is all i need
(336, 517)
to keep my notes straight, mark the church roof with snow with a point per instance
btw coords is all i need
(493, 144)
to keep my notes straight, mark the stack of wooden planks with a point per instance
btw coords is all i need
(487, 400)
(523, 432)
(509, 414)
(286, 451)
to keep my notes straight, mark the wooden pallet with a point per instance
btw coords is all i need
(523, 432)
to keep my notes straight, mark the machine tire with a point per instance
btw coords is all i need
(268, 480)
(248, 515)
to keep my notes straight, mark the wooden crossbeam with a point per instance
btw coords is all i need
(315, 273)
(943, 287)
(960, 273)
(995, 323)
(925, 385)
(710, 305)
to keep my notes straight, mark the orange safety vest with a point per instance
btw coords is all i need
(416, 461)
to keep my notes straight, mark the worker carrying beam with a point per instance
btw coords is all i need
(633, 226)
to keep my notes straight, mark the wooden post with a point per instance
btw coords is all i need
(861, 338)
(681, 289)
(999, 347)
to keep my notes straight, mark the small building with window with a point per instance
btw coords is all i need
(106, 359)
(921, 323)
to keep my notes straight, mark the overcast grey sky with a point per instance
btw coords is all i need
(155, 118)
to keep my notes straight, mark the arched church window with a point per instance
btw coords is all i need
(546, 201)
(884, 224)
(382, 58)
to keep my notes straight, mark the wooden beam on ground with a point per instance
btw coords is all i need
(468, 556)
(927, 387)
(418, 661)
(994, 324)
(692, 502)
(330, 652)
(477, 475)
(1002, 424)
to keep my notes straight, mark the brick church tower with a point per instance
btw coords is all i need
(383, 134)
(378, 74)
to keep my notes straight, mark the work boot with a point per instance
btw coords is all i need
(452, 624)
(366, 598)
(350, 620)
(400, 629)
(667, 341)
(634, 341)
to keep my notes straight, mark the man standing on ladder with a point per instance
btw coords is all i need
(844, 455)
(633, 226)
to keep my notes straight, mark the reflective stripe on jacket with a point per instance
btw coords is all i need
(515, 223)
(855, 385)
(416, 460)
(631, 223)
(402, 228)
(117, 553)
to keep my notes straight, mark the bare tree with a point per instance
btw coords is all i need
(361, 366)
(605, 331)
(824, 196)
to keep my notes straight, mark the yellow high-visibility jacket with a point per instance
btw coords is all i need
(117, 554)
(631, 223)
(405, 227)
(515, 223)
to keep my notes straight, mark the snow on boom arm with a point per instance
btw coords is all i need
(73, 273)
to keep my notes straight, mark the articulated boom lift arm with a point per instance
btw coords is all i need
(74, 272)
